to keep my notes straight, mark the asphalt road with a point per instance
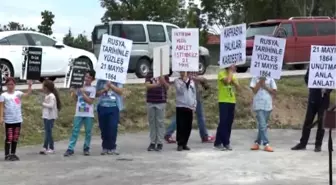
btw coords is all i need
(200, 166)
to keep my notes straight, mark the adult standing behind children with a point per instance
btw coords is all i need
(264, 90)
(108, 109)
(84, 114)
(156, 106)
(227, 83)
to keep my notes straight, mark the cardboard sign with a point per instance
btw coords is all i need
(32, 63)
(161, 61)
(322, 67)
(1, 81)
(267, 57)
(185, 49)
(76, 74)
(113, 59)
(233, 46)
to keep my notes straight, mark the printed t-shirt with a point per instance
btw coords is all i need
(226, 92)
(110, 98)
(157, 94)
(12, 107)
(84, 109)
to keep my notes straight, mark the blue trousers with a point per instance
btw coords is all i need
(77, 124)
(108, 118)
(226, 116)
(48, 138)
(262, 118)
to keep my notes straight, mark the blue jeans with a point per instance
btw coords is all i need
(77, 124)
(226, 117)
(108, 118)
(48, 138)
(200, 120)
(262, 118)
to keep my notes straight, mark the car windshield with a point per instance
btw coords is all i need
(260, 29)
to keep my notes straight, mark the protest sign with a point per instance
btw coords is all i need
(322, 67)
(185, 49)
(32, 63)
(76, 74)
(267, 57)
(233, 46)
(161, 61)
(113, 59)
(1, 77)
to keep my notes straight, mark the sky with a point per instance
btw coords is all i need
(79, 15)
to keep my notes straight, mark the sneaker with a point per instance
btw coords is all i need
(8, 158)
(179, 148)
(186, 148)
(219, 148)
(255, 147)
(268, 148)
(169, 139)
(228, 147)
(43, 151)
(151, 147)
(50, 151)
(208, 139)
(317, 149)
(112, 152)
(68, 153)
(104, 152)
(86, 153)
(14, 158)
(159, 147)
(299, 147)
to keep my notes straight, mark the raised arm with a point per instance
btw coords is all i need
(87, 98)
(29, 90)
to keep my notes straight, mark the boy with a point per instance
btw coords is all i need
(84, 114)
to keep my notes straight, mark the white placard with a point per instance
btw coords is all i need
(161, 61)
(267, 57)
(233, 45)
(322, 67)
(113, 59)
(185, 49)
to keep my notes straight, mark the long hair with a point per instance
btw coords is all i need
(51, 87)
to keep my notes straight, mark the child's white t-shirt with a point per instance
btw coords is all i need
(12, 107)
(84, 109)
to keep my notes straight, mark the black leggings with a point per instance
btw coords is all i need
(184, 119)
(12, 137)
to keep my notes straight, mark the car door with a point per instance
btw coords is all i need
(326, 31)
(156, 36)
(290, 42)
(54, 59)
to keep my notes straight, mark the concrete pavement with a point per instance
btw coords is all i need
(200, 166)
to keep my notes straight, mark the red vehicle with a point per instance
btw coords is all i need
(300, 32)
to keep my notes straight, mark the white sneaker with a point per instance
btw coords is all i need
(43, 151)
(50, 151)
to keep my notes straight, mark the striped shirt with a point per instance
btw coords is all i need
(157, 94)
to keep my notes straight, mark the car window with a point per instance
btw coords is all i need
(156, 33)
(288, 27)
(98, 33)
(169, 30)
(4, 42)
(326, 28)
(134, 32)
(305, 29)
(41, 40)
(17, 39)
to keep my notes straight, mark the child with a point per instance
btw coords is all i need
(156, 105)
(50, 107)
(13, 117)
(84, 114)
(108, 109)
(264, 89)
(227, 84)
(185, 105)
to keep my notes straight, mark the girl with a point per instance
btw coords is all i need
(108, 109)
(185, 105)
(264, 89)
(227, 84)
(13, 117)
(50, 107)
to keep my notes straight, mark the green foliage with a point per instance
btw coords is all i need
(47, 22)
(14, 26)
(81, 41)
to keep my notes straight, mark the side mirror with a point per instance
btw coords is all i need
(59, 45)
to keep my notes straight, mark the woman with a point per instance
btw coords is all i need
(227, 85)
(264, 89)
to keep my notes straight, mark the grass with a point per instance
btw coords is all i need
(290, 105)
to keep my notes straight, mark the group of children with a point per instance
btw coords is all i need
(110, 104)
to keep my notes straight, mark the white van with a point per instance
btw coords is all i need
(145, 35)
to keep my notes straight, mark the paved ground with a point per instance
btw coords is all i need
(200, 166)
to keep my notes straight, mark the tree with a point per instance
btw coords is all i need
(14, 26)
(47, 22)
(81, 41)
(68, 39)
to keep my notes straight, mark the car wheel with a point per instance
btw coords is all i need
(201, 66)
(143, 68)
(242, 69)
(6, 70)
(88, 62)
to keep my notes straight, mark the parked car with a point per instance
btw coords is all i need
(145, 35)
(300, 32)
(55, 57)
